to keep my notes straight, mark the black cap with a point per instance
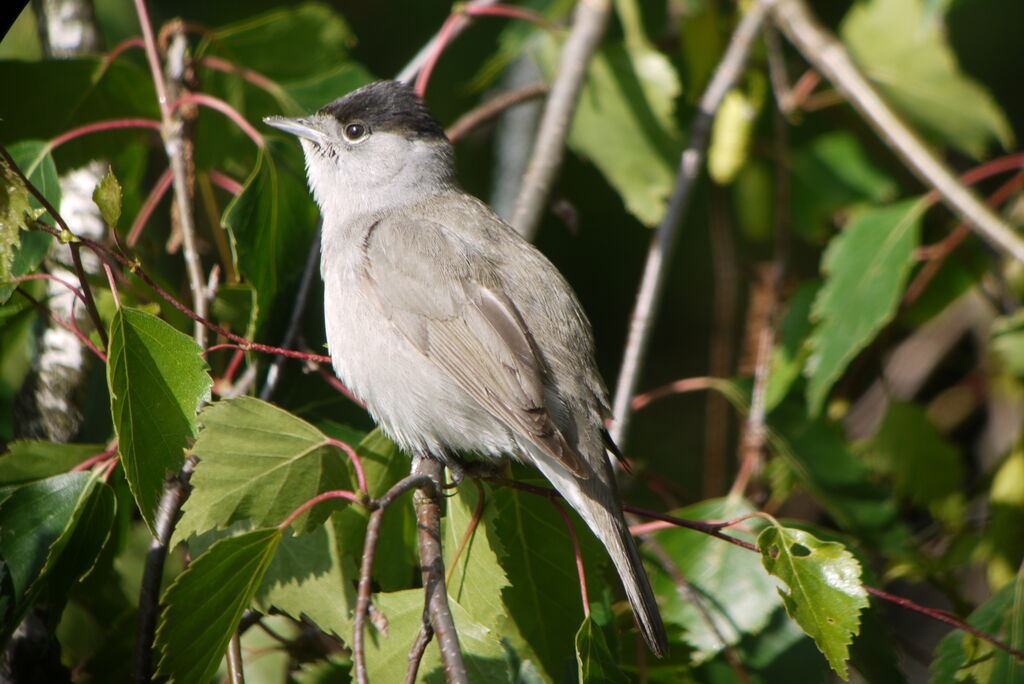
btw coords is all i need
(390, 106)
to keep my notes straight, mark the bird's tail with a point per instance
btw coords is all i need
(595, 499)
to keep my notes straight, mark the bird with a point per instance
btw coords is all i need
(462, 339)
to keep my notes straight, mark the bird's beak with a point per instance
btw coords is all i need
(302, 128)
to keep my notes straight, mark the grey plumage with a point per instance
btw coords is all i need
(457, 333)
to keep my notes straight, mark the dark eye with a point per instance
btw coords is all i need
(356, 131)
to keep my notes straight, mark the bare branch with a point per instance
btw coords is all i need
(822, 49)
(175, 493)
(549, 148)
(659, 253)
(428, 523)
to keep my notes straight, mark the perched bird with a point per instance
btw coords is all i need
(460, 337)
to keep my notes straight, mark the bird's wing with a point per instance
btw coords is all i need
(445, 298)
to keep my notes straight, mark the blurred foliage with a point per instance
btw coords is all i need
(894, 389)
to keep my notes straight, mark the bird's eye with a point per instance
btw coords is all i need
(356, 131)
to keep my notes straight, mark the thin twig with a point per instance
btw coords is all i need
(435, 593)
(236, 674)
(580, 572)
(408, 73)
(492, 108)
(175, 493)
(298, 309)
(752, 444)
(658, 256)
(827, 54)
(588, 28)
(366, 567)
(419, 648)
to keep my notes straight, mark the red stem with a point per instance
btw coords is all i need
(677, 387)
(254, 77)
(107, 125)
(226, 182)
(225, 109)
(579, 556)
(357, 463)
(336, 494)
(148, 207)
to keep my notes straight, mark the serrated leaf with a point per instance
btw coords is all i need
(825, 594)
(259, 463)
(736, 593)
(397, 561)
(309, 577)
(482, 650)
(832, 173)
(543, 596)
(865, 267)
(29, 460)
(477, 579)
(157, 380)
(593, 658)
(631, 92)
(15, 216)
(961, 656)
(108, 196)
(906, 53)
(925, 467)
(271, 223)
(32, 521)
(205, 603)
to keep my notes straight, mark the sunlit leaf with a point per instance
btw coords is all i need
(735, 592)
(825, 595)
(108, 197)
(205, 603)
(906, 53)
(865, 267)
(157, 380)
(259, 463)
(30, 460)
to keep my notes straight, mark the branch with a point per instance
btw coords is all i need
(492, 108)
(423, 56)
(366, 568)
(175, 493)
(690, 164)
(549, 147)
(827, 54)
(435, 593)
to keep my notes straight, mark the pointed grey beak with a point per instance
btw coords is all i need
(302, 128)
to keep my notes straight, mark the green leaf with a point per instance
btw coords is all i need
(831, 173)
(961, 656)
(32, 520)
(476, 579)
(1007, 342)
(271, 223)
(631, 92)
(1002, 533)
(593, 658)
(157, 380)
(107, 197)
(309, 577)
(906, 53)
(735, 592)
(865, 267)
(397, 562)
(258, 462)
(205, 603)
(21, 253)
(814, 449)
(543, 596)
(825, 594)
(30, 460)
(791, 351)
(925, 468)
(482, 650)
